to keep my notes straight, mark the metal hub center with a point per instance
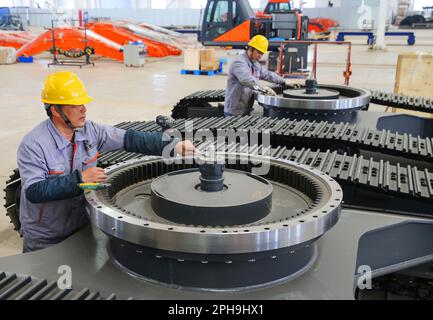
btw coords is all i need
(311, 91)
(179, 197)
(212, 177)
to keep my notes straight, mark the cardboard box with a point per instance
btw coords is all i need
(8, 55)
(210, 66)
(191, 59)
(208, 60)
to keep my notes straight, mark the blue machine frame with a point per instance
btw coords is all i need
(411, 39)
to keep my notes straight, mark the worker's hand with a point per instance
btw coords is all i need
(270, 91)
(94, 175)
(291, 85)
(186, 148)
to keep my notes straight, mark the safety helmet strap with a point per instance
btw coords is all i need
(65, 118)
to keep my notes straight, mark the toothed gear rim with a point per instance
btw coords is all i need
(350, 99)
(321, 197)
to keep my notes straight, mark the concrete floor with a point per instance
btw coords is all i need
(123, 94)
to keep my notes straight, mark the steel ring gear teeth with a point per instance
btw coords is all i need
(349, 99)
(306, 204)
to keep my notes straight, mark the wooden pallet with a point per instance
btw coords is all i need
(200, 72)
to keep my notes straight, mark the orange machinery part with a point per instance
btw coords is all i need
(14, 39)
(22, 35)
(299, 25)
(68, 39)
(322, 24)
(8, 41)
(241, 33)
(167, 50)
(158, 49)
(122, 36)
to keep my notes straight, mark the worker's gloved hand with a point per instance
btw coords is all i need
(291, 85)
(270, 91)
(94, 175)
(186, 148)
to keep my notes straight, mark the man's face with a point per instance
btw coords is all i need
(75, 114)
(256, 55)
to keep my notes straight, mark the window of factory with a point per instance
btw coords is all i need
(159, 4)
(309, 3)
(255, 4)
(419, 4)
(198, 4)
(14, 3)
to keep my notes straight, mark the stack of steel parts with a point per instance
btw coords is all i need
(214, 224)
(23, 287)
(303, 133)
(336, 149)
(393, 169)
(367, 183)
(402, 101)
(198, 104)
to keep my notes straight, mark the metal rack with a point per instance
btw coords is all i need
(87, 51)
(347, 72)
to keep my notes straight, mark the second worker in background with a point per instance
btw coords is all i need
(244, 76)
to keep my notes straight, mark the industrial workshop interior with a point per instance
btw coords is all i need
(216, 150)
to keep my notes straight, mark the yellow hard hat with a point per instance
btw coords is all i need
(260, 43)
(64, 88)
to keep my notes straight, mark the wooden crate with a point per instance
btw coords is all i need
(414, 77)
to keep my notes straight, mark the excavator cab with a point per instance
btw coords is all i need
(221, 16)
(232, 23)
(280, 6)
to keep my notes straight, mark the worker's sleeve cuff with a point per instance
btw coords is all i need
(59, 188)
(78, 176)
(148, 143)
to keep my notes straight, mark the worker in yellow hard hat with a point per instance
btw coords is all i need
(243, 79)
(61, 154)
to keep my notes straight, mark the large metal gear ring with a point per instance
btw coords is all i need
(328, 99)
(143, 227)
(306, 203)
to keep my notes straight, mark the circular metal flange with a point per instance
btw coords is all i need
(314, 208)
(276, 248)
(350, 99)
(320, 94)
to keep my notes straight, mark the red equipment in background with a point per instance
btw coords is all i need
(317, 25)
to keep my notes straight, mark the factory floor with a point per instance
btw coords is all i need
(123, 94)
